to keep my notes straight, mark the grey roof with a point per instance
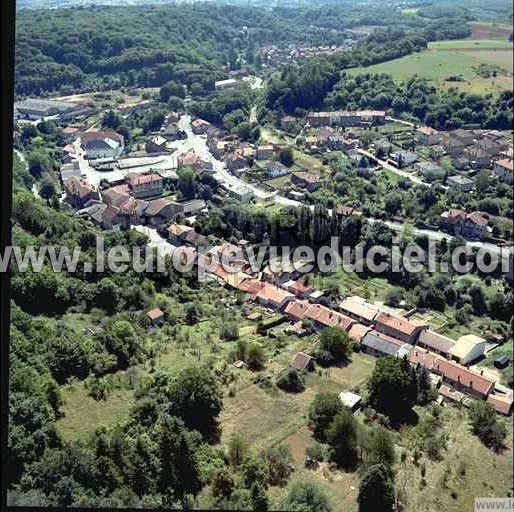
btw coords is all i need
(44, 106)
(436, 341)
(380, 344)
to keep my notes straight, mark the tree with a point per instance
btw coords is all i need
(186, 184)
(223, 484)
(394, 297)
(278, 458)
(286, 156)
(336, 341)
(291, 380)
(237, 449)
(47, 189)
(376, 491)
(482, 182)
(485, 424)
(322, 411)
(106, 296)
(255, 358)
(176, 449)
(307, 497)
(342, 435)
(393, 388)
(195, 397)
(170, 89)
(382, 448)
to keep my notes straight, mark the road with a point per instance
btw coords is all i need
(394, 169)
(401, 121)
(198, 144)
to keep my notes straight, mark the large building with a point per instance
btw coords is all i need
(503, 170)
(102, 144)
(36, 109)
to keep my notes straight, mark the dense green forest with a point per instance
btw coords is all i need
(318, 84)
(68, 50)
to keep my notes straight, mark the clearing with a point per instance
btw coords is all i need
(447, 60)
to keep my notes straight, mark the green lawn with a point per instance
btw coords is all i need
(471, 44)
(440, 64)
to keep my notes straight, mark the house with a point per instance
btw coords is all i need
(230, 83)
(179, 234)
(172, 132)
(265, 152)
(478, 157)
(503, 170)
(235, 162)
(305, 180)
(192, 207)
(451, 394)
(272, 296)
(452, 145)
(161, 211)
(469, 225)
(238, 191)
(246, 151)
(131, 211)
(340, 143)
(360, 310)
(436, 343)
(156, 144)
(467, 137)
(281, 270)
(467, 349)
(403, 158)
(427, 136)
(275, 169)
(297, 288)
(460, 163)
(145, 185)
(115, 196)
(430, 170)
(102, 215)
(463, 379)
(460, 183)
(459, 377)
(319, 119)
(79, 192)
(502, 404)
(398, 327)
(358, 331)
(380, 345)
(492, 146)
(322, 317)
(101, 144)
(302, 361)
(156, 317)
(200, 126)
(350, 400)
(287, 122)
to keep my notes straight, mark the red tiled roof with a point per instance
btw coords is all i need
(273, 294)
(457, 373)
(358, 331)
(398, 324)
(423, 357)
(502, 404)
(141, 179)
(297, 309)
(100, 135)
(78, 187)
(154, 314)
(301, 360)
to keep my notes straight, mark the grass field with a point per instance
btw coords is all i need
(470, 43)
(481, 30)
(453, 58)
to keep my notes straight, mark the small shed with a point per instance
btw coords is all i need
(156, 317)
(350, 400)
(502, 362)
(303, 361)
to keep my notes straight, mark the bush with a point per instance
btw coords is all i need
(291, 380)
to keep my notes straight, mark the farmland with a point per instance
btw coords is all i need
(455, 64)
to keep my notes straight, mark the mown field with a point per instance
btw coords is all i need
(481, 30)
(447, 59)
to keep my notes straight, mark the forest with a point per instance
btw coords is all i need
(84, 48)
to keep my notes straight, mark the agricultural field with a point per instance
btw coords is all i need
(462, 59)
(482, 30)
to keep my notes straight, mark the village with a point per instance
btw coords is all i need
(117, 191)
